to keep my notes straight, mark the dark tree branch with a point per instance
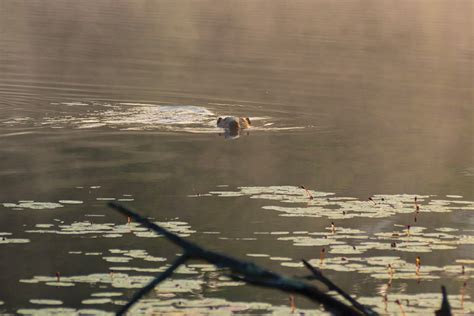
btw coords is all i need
(445, 309)
(318, 275)
(310, 292)
(253, 274)
(246, 271)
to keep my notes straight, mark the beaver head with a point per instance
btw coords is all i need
(233, 123)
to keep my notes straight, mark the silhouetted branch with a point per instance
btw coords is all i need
(311, 292)
(245, 271)
(318, 275)
(445, 309)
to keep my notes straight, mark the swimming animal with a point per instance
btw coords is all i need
(233, 123)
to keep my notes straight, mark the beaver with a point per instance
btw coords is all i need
(233, 123)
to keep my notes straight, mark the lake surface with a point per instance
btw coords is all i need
(114, 100)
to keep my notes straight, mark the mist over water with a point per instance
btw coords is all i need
(119, 99)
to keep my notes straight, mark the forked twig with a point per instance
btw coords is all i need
(241, 270)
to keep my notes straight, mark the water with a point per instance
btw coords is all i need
(118, 100)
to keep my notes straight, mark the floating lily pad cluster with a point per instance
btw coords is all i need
(342, 247)
(382, 255)
(324, 204)
(110, 230)
(354, 241)
(198, 306)
(6, 238)
(33, 205)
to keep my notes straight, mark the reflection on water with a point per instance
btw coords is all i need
(119, 100)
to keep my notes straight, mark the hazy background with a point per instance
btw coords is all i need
(383, 75)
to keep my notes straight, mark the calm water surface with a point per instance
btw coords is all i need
(114, 99)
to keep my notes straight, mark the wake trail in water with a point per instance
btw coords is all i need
(139, 117)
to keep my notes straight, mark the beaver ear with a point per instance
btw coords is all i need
(219, 120)
(248, 120)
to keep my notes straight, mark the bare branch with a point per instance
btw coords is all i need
(313, 293)
(445, 309)
(246, 271)
(318, 275)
